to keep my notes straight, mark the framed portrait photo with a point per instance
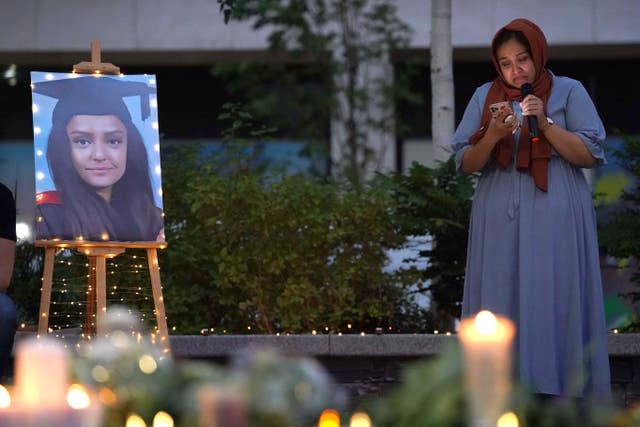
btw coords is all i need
(97, 157)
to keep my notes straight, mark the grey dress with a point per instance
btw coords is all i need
(533, 256)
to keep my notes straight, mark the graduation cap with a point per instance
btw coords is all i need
(94, 96)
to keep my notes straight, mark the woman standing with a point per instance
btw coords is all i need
(533, 252)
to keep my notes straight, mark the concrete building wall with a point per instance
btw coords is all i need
(197, 25)
(170, 32)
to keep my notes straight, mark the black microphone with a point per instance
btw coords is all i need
(527, 89)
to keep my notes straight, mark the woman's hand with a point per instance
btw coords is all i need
(502, 124)
(567, 144)
(533, 106)
(503, 120)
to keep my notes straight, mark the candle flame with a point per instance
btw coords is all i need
(329, 418)
(486, 323)
(5, 398)
(508, 419)
(162, 419)
(360, 419)
(134, 420)
(77, 397)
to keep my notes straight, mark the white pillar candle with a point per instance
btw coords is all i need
(41, 374)
(486, 341)
(42, 396)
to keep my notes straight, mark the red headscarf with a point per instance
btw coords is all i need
(533, 157)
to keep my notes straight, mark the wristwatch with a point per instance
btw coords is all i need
(550, 122)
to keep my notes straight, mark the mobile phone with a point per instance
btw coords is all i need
(498, 107)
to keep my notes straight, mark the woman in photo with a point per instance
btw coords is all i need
(533, 250)
(98, 163)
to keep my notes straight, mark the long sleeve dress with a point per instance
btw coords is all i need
(533, 256)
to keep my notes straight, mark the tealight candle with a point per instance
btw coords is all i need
(486, 341)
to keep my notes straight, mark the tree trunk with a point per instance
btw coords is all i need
(442, 101)
(442, 98)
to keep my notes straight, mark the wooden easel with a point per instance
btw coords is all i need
(95, 66)
(98, 252)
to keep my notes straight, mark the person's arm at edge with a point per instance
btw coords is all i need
(7, 258)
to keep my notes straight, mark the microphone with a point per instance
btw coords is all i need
(527, 89)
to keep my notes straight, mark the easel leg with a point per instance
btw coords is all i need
(101, 294)
(45, 297)
(158, 300)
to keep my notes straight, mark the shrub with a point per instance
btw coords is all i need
(288, 254)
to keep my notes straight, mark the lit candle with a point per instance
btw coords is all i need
(486, 341)
(134, 420)
(508, 419)
(42, 374)
(360, 419)
(162, 419)
(78, 398)
(5, 398)
(42, 396)
(329, 418)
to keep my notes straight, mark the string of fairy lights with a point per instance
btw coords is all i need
(127, 285)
